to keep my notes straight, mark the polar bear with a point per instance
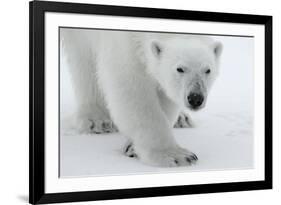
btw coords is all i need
(138, 83)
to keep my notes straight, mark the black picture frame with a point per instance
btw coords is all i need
(37, 9)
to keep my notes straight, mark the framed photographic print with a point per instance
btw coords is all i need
(140, 102)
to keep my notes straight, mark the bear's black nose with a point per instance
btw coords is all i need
(195, 99)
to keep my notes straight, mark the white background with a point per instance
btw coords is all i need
(14, 101)
(227, 106)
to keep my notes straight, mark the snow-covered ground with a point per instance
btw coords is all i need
(222, 138)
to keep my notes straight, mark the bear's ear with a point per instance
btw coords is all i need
(217, 48)
(156, 48)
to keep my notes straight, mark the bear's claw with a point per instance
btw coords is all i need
(184, 121)
(129, 150)
(99, 127)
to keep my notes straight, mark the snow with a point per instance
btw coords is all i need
(222, 137)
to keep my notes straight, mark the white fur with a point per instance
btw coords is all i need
(131, 79)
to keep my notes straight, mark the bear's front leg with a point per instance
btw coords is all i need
(135, 109)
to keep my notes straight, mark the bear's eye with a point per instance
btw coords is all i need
(208, 71)
(180, 70)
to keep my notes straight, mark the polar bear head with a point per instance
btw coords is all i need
(185, 68)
